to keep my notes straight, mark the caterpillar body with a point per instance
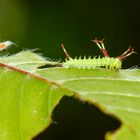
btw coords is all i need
(92, 63)
(96, 62)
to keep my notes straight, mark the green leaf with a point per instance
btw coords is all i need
(26, 100)
(27, 60)
(28, 95)
(114, 92)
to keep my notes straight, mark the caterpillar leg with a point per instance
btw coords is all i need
(66, 53)
(100, 44)
(127, 53)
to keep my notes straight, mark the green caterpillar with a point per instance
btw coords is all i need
(93, 63)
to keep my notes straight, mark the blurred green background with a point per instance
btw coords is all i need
(45, 24)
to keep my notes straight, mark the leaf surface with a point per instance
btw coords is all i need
(26, 100)
(114, 92)
(28, 95)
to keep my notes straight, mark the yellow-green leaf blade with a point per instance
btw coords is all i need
(114, 92)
